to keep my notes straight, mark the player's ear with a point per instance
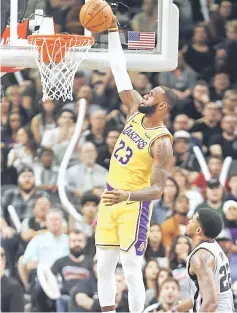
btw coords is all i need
(163, 106)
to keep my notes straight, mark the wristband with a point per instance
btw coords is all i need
(115, 29)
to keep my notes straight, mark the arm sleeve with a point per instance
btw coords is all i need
(118, 63)
(31, 252)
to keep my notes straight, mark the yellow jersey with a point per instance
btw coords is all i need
(131, 161)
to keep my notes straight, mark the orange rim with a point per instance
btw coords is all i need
(9, 69)
(52, 50)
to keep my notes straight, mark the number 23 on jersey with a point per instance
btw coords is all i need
(120, 151)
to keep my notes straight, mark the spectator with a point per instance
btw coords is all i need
(184, 157)
(89, 208)
(11, 291)
(24, 151)
(5, 109)
(44, 249)
(180, 249)
(176, 224)
(214, 197)
(209, 125)
(230, 217)
(230, 103)
(73, 269)
(105, 152)
(97, 129)
(232, 195)
(199, 50)
(164, 207)
(90, 173)
(181, 122)
(225, 144)
(155, 248)
(117, 118)
(141, 83)
(221, 83)
(146, 20)
(150, 273)
(44, 121)
(163, 274)
(23, 197)
(181, 80)
(9, 136)
(8, 174)
(167, 298)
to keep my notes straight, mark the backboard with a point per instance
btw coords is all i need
(160, 56)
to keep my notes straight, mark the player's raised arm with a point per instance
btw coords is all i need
(128, 95)
(202, 265)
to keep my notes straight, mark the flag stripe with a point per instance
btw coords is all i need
(141, 40)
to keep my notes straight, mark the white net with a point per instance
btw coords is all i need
(58, 61)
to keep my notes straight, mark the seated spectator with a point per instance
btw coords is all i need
(181, 122)
(230, 217)
(45, 173)
(155, 248)
(181, 80)
(209, 125)
(163, 274)
(221, 83)
(5, 109)
(96, 132)
(8, 174)
(73, 269)
(86, 175)
(12, 296)
(184, 157)
(44, 249)
(89, 208)
(105, 152)
(23, 197)
(168, 297)
(194, 196)
(176, 224)
(214, 197)
(214, 165)
(230, 103)
(225, 144)
(180, 249)
(199, 50)
(145, 21)
(9, 136)
(164, 207)
(44, 121)
(150, 273)
(232, 195)
(24, 151)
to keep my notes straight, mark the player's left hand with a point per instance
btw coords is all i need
(114, 196)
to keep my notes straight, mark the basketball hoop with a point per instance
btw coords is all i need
(58, 58)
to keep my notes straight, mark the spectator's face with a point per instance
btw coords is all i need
(225, 9)
(77, 243)
(233, 184)
(231, 33)
(3, 260)
(98, 120)
(228, 124)
(214, 195)
(169, 293)
(231, 214)
(181, 180)
(211, 112)
(170, 188)
(47, 159)
(181, 122)
(230, 102)
(221, 56)
(215, 166)
(182, 246)
(147, 6)
(200, 34)
(88, 154)
(199, 91)
(65, 119)
(151, 270)
(141, 81)
(15, 97)
(162, 276)
(54, 222)
(181, 145)
(155, 234)
(89, 210)
(112, 138)
(49, 106)
(182, 205)
(79, 81)
(26, 181)
(15, 121)
(85, 92)
(22, 137)
(41, 208)
(5, 105)
(221, 81)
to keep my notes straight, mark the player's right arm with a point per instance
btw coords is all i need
(128, 95)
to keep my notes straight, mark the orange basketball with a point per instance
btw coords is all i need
(96, 15)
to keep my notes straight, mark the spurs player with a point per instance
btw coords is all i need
(207, 266)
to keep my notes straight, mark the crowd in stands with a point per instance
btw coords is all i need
(35, 136)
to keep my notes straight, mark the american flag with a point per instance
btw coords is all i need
(141, 40)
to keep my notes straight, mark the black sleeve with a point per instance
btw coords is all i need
(196, 128)
(215, 140)
(56, 268)
(16, 299)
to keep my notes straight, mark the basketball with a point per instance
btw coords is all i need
(96, 16)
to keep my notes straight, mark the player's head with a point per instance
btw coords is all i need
(206, 223)
(158, 101)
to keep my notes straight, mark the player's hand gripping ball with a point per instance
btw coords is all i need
(96, 16)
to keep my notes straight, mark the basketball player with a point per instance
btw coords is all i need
(207, 266)
(139, 167)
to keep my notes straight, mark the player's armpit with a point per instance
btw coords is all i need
(202, 264)
(162, 153)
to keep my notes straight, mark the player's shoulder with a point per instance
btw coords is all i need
(162, 147)
(200, 258)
